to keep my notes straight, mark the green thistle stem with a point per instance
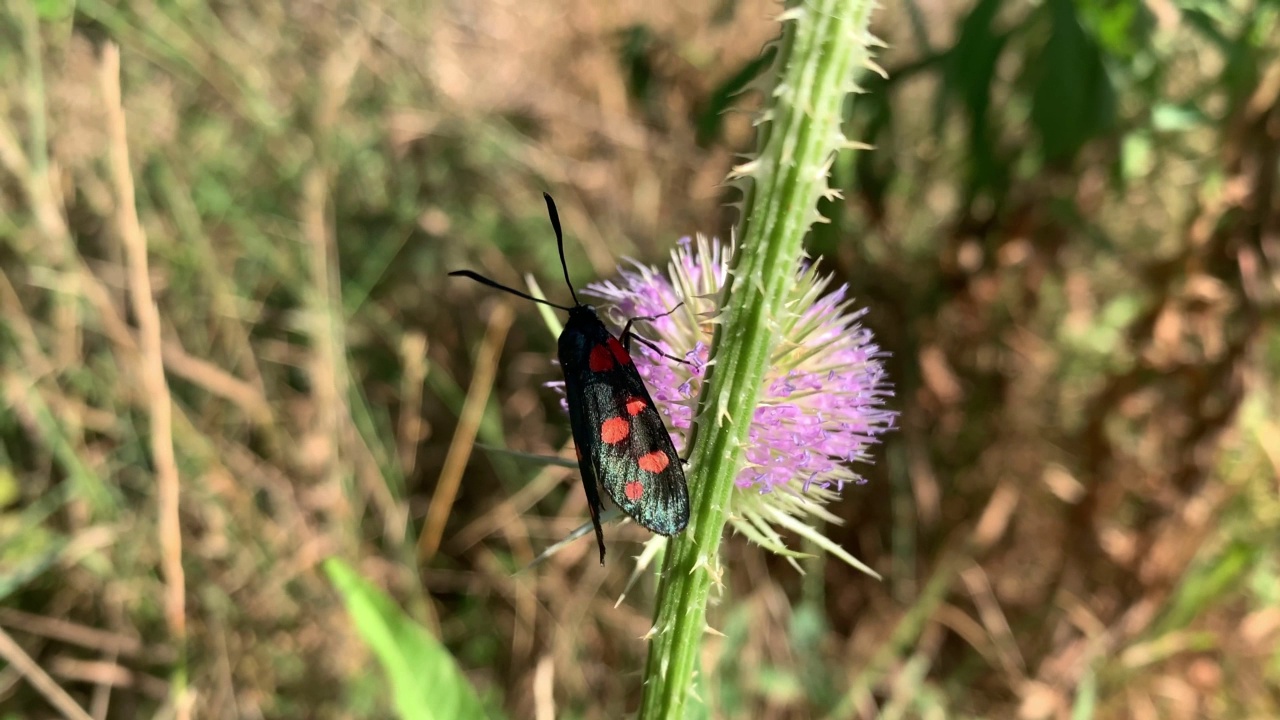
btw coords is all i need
(824, 44)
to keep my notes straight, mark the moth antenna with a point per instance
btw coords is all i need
(486, 281)
(555, 223)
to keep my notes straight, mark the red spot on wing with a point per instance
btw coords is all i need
(654, 462)
(614, 430)
(600, 359)
(577, 451)
(634, 490)
(619, 353)
(635, 406)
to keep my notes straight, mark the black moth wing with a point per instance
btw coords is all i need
(586, 466)
(661, 502)
(570, 341)
(614, 391)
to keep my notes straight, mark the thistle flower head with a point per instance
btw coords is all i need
(821, 406)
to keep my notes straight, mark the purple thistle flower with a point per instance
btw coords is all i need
(821, 406)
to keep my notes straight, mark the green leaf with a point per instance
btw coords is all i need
(968, 75)
(426, 683)
(1086, 702)
(1171, 117)
(10, 492)
(26, 552)
(1073, 100)
(50, 10)
(1207, 25)
(1207, 584)
(1122, 28)
(1137, 156)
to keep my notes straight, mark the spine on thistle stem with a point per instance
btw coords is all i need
(823, 47)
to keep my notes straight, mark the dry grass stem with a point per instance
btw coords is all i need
(464, 438)
(409, 431)
(328, 382)
(995, 622)
(39, 679)
(108, 674)
(217, 382)
(509, 509)
(151, 370)
(102, 641)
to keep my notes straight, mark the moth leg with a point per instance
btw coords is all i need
(626, 330)
(648, 318)
(626, 343)
(627, 335)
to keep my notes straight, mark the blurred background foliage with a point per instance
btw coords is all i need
(1068, 234)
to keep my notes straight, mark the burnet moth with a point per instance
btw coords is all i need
(619, 435)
